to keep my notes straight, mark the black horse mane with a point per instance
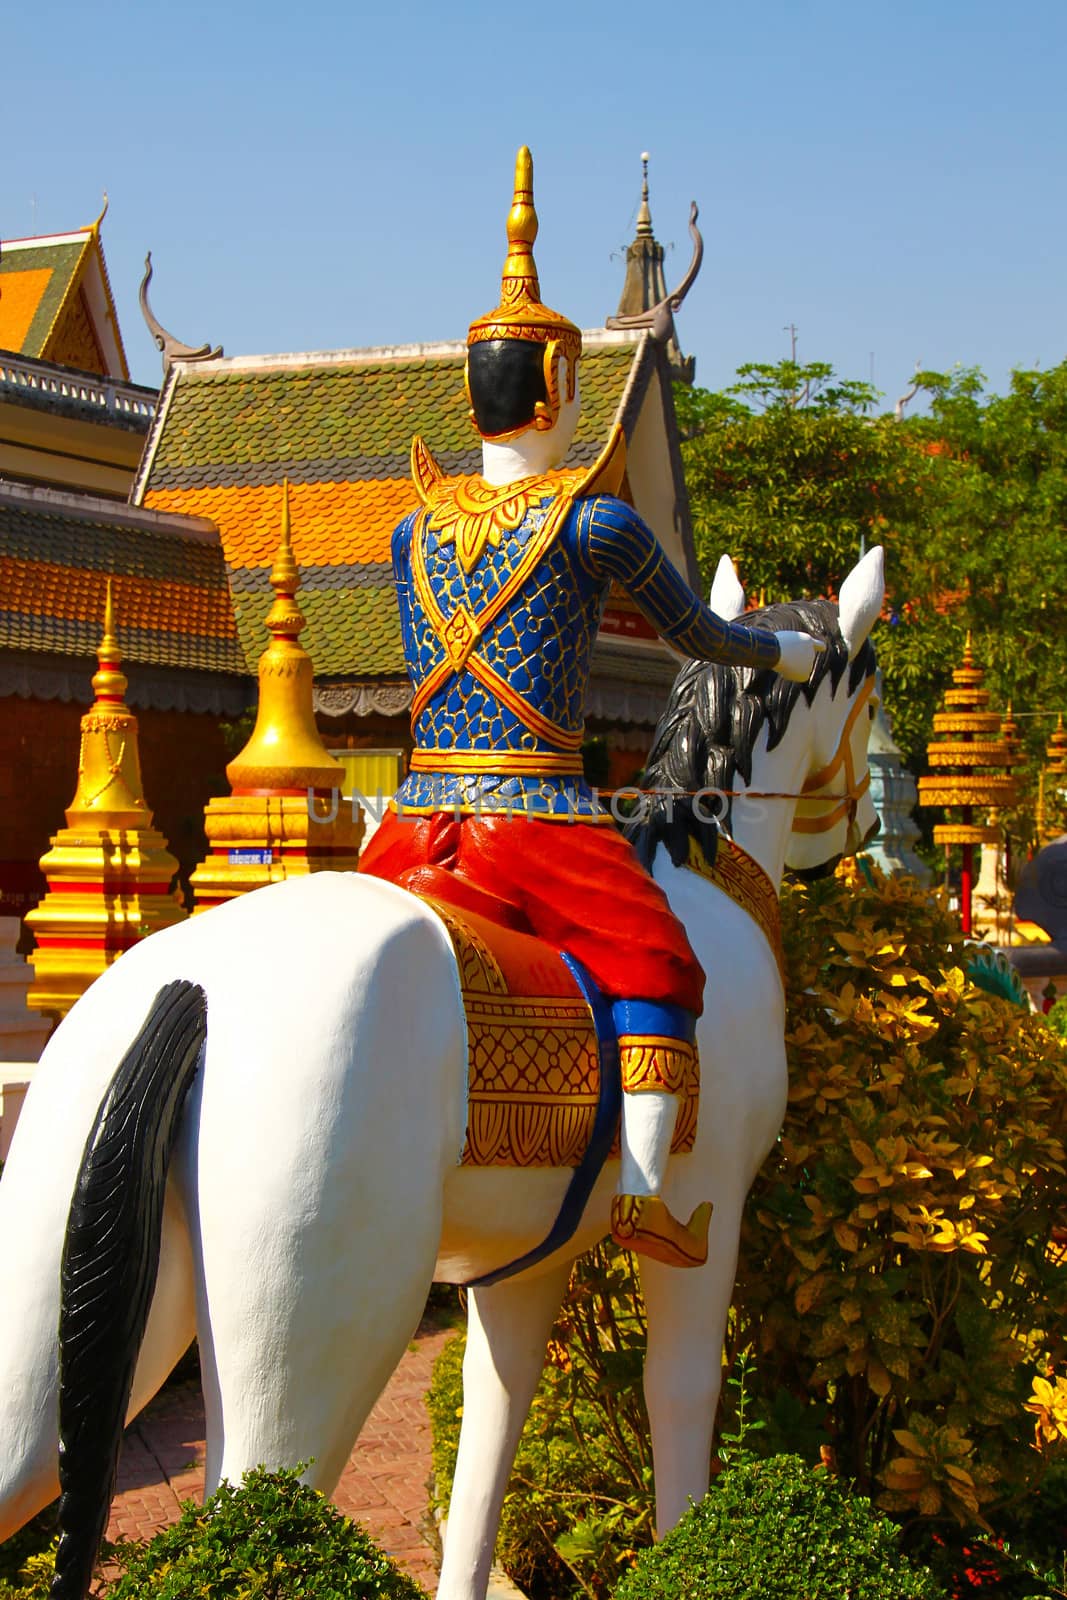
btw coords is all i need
(706, 736)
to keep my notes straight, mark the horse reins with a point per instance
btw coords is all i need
(846, 803)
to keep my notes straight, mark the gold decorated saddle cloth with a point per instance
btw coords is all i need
(534, 1052)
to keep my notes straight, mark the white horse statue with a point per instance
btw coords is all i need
(313, 1190)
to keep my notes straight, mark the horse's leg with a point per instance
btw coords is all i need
(317, 1183)
(291, 1376)
(507, 1331)
(683, 1366)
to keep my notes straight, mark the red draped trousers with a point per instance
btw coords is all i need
(579, 886)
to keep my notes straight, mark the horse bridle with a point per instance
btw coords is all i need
(845, 804)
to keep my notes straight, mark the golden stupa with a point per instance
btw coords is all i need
(967, 763)
(285, 816)
(109, 871)
(1051, 822)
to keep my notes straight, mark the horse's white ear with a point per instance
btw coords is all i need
(727, 598)
(860, 601)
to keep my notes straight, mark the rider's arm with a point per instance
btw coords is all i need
(613, 542)
(401, 554)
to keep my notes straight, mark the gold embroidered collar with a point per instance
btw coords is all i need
(475, 513)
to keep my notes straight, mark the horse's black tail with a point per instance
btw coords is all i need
(110, 1261)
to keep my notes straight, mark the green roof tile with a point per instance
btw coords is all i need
(352, 420)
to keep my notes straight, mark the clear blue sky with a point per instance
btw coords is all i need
(312, 176)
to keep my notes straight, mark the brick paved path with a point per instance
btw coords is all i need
(384, 1485)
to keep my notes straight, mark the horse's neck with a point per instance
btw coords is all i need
(761, 826)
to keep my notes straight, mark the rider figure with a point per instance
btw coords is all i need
(501, 582)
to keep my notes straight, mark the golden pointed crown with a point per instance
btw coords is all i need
(521, 313)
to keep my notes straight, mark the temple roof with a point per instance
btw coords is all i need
(57, 552)
(339, 425)
(56, 302)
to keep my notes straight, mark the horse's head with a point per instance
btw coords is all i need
(720, 719)
(835, 815)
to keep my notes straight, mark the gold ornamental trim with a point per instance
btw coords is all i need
(947, 790)
(472, 514)
(960, 722)
(649, 1063)
(533, 1061)
(460, 633)
(521, 313)
(968, 697)
(977, 753)
(533, 763)
(950, 833)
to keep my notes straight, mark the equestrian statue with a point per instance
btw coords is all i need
(502, 580)
(272, 1127)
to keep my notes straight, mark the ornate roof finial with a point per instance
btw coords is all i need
(172, 349)
(1040, 824)
(644, 215)
(644, 302)
(94, 227)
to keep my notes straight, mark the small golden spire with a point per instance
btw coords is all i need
(284, 573)
(1009, 736)
(1039, 810)
(285, 752)
(1056, 749)
(644, 214)
(109, 684)
(285, 618)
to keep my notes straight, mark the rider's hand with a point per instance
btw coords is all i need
(798, 652)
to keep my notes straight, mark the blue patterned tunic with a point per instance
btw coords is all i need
(499, 653)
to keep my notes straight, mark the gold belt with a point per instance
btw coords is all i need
(529, 763)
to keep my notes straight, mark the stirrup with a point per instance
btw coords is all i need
(644, 1223)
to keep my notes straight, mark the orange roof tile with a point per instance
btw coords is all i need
(152, 603)
(333, 523)
(339, 427)
(57, 553)
(20, 295)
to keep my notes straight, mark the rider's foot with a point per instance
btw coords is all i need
(643, 1222)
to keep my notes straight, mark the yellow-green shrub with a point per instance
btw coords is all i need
(898, 1276)
(896, 1266)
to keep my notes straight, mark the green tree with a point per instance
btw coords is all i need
(791, 472)
(790, 475)
(995, 556)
